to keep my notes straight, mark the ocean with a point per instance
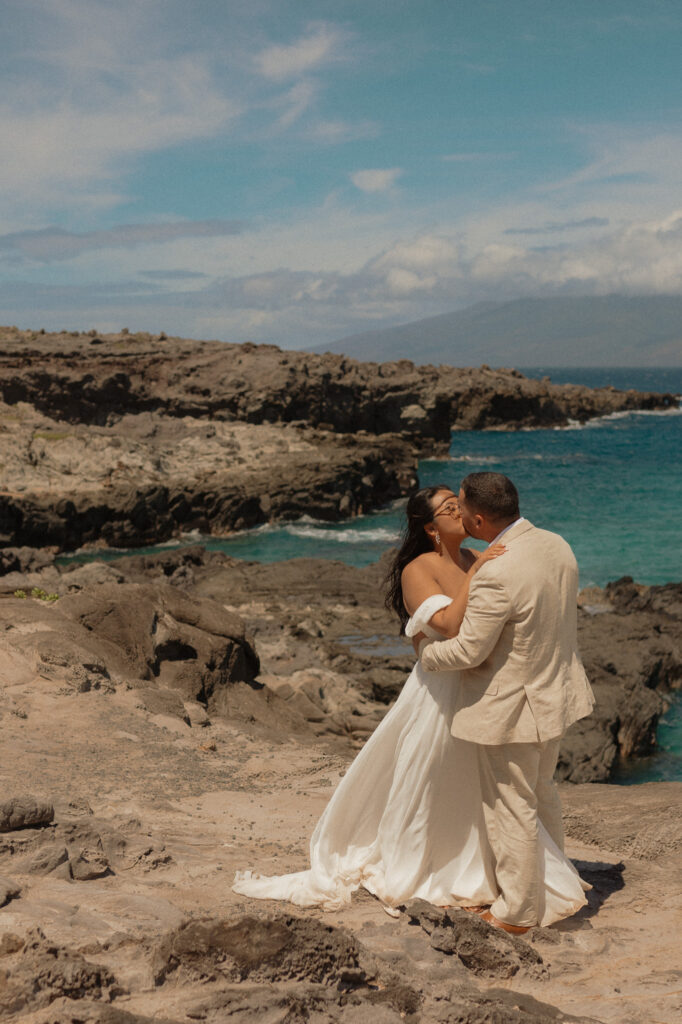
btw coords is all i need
(612, 487)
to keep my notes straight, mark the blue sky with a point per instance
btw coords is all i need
(292, 171)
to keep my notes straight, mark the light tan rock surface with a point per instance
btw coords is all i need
(120, 908)
(144, 478)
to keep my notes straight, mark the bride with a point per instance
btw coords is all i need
(407, 818)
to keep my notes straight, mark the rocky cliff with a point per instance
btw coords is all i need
(127, 440)
(146, 477)
(84, 378)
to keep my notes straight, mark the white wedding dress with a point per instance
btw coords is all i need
(407, 818)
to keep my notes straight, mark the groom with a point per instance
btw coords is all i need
(521, 685)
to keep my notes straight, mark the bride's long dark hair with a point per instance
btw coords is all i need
(415, 541)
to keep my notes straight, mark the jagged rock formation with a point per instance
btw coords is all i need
(631, 644)
(125, 915)
(172, 748)
(80, 378)
(330, 660)
(147, 477)
(129, 440)
(127, 634)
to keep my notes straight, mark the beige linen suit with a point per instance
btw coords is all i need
(521, 683)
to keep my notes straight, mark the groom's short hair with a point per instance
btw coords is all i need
(492, 495)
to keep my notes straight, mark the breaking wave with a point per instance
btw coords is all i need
(378, 535)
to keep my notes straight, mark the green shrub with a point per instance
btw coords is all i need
(41, 595)
(51, 435)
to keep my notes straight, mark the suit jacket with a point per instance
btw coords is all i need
(521, 678)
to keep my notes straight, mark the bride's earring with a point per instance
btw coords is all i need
(437, 538)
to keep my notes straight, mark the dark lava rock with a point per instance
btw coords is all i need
(630, 639)
(42, 972)
(64, 377)
(276, 948)
(367, 420)
(487, 951)
(24, 812)
(144, 478)
(67, 1011)
(25, 559)
(191, 645)
(9, 890)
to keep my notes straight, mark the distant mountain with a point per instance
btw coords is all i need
(610, 330)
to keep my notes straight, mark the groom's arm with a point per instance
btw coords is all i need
(488, 609)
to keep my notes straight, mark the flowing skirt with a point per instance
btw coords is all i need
(407, 821)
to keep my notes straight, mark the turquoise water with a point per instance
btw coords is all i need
(612, 488)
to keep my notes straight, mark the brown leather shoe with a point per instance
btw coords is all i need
(514, 929)
(477, 910)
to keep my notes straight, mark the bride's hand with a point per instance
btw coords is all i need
(494, 551)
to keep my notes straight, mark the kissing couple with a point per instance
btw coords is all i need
(452, 799)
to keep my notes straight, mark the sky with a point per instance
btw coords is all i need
(295, 171)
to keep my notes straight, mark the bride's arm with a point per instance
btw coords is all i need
(448, 620)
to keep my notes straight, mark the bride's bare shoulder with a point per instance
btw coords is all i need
(421, 566)
(418, 580)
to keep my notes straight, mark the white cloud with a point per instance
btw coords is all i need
(103, 89)
(376, 180)
(636, 159)
(295, 102)
(426, 252)
(56, 244)
(319, 46)
(401, 282)
(642, 257)
(333, 132)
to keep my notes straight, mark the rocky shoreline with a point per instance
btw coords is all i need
(324, 653)
(168, 719)
(184, 715)
(87, 378)
(147, 478)
(130, 439)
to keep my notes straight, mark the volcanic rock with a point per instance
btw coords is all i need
(147, 477)
(66, 378)
(279, 948)
(139, 440)
(483, 949)
(50, 857)
(24, 812)
(43, 972)
(9, 890)
(137, 632)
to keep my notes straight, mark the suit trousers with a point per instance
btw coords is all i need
(518, 788)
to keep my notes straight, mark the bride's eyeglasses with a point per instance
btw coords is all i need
(448, 508)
